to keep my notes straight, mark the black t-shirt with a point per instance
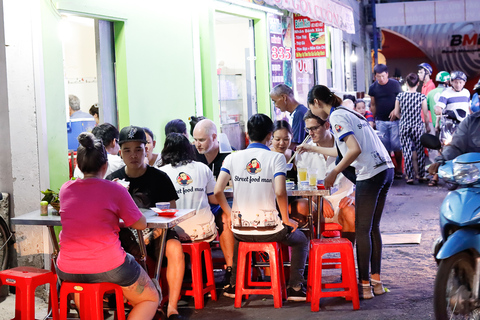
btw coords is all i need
(384, 98)
(216, 164)
(152, 187)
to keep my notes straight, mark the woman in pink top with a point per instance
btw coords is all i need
(90, 248)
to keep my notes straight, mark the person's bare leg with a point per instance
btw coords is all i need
(398, 160)
(175, 271)
(227, 242)
(143, 296)
(346, 218)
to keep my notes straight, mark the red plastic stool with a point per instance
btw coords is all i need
(198, 288)
(332, 230)
(26, 279)
(276, 284)
(91, 299)
(316, 263)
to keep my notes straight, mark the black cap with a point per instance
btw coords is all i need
(132, 133)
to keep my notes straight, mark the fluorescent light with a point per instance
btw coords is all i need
(353, 57)
(254, 6)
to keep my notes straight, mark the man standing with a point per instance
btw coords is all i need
(282, 96)
(208, 152)
(148, 186)
(383, 93)
(424, 74)
(74, 109)
(442, 78)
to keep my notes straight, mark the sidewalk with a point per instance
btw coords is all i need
(408, 271)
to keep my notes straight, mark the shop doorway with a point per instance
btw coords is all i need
(89, 65)
(235, 58)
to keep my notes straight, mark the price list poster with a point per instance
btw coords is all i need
(309, 37)
(280, 33)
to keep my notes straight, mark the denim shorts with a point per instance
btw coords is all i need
(389, 134)
(124, 275)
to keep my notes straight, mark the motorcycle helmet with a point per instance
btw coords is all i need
(458, 75)
(442, 77)
(427, 67)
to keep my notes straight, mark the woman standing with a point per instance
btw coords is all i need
(410, 105)
(363, 150)
(91, 252)
(281, 140)
(194, 183)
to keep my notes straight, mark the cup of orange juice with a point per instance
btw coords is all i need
(302, 174)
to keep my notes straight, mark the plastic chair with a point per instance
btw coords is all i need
(332, 230)
(91, 299)
(198, 288)
(26, 280)
(346, 262)
(276, 285)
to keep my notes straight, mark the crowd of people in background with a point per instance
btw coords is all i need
(357, 147)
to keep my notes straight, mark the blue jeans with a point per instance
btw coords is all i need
(369, 203)
(390, 134)
(297, 240)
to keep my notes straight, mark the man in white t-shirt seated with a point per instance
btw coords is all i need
(339, 207)
(109, 136)
(259, 183)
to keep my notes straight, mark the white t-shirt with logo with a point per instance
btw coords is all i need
(193, 183)
(374, 158)
(253, 172)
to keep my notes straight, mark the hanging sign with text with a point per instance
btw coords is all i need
(309, 37)
(280, 49)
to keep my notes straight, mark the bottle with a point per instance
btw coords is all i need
(43, 208)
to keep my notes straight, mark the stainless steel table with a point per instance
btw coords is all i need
(309, 194)
(153, 221)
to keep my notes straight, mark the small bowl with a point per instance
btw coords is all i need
(162, 205)
(290, 185)
(289, 166)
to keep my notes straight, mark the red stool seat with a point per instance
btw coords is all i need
(91, 299)
(25, 280)
(276, 285)
(198, 289)
(346, 262)
(332, 230)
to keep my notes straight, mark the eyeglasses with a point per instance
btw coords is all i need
(307, 130)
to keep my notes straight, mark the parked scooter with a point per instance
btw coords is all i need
(457, 251)
(448, 126)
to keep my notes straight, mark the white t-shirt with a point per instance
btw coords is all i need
(342, 186)
(114, 163)
(453, 100)
(193, 183)
(253, 172)
(374, 158)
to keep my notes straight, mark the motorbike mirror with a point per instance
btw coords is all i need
(430, 141)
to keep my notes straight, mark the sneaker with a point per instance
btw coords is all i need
(378, 288)
(229, 291)
(226, 277)
(297, 295)
(365, 291)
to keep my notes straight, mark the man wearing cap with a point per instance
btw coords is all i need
(147, 186)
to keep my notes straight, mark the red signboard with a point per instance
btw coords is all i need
(309, 37)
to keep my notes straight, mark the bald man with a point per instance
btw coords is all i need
(208, 152)
(282, 96)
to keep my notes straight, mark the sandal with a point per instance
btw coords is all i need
(433, 183)
(422, 180)
(410, 181)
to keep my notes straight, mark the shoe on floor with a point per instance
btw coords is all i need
(365, 291)
(229, 291)
(226, 277)
(398, 175)
(176, 317)
(297, 295)
(378, 288)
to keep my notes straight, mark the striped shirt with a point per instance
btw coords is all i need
(455, 101)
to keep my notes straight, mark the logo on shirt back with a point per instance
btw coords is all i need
(254, 166)
(338, 127)
(183, 179)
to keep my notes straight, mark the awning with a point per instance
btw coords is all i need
(329, 12)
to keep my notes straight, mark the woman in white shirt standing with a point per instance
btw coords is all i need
(363, 150)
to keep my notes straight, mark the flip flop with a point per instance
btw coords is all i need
(433, 183)
(410, 181)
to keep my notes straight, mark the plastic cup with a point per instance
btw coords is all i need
(162, 205)
(302, 174)
(312, 177)
(43, 208)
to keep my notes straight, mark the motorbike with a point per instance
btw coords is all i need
(457, 251)
(448, 126)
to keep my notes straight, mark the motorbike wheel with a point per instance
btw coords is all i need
(451, 186)
(453, 288)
